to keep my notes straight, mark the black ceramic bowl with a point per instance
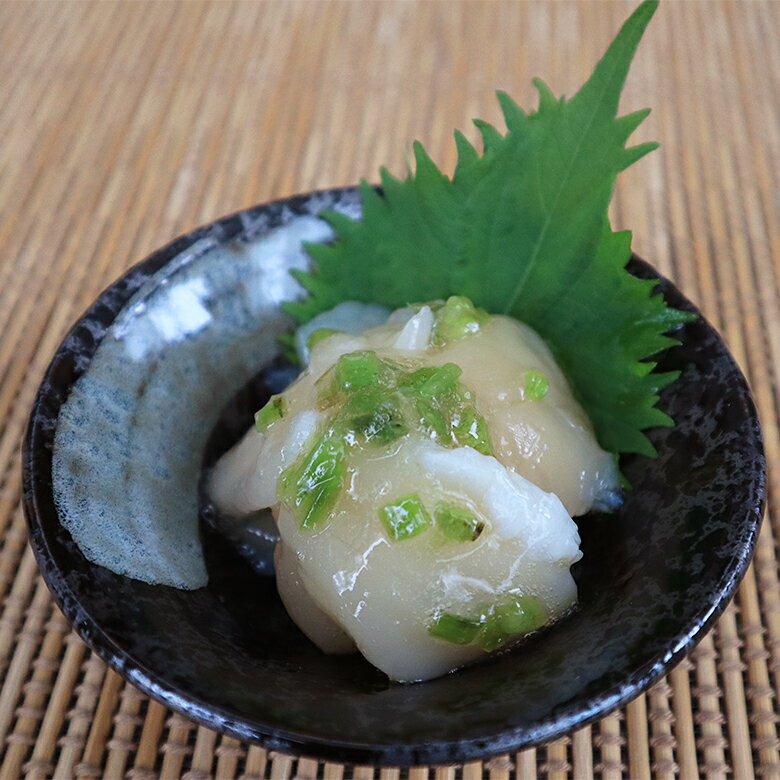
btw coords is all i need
(654, 576)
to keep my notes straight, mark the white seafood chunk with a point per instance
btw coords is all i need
(244, 479)
(416, 333)
(386, 594)
(422, 474)
(322, 629)
(348, 317)
(517, 508)
(549, 441)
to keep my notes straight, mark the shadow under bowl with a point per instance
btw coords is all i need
(653, 578)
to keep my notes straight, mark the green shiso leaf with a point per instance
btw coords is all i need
(522, 229)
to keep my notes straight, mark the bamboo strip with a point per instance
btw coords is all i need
(256, 761)
(212, 193)
(769, 592)
(176, 747)
(36, 691)
(683, 721)
(762, 216)
(728, 234)
(16, 188)
(582, 754)
(147, 232)
(638, 750)
(557, 766)
(419, 773)
(444, 773)
(709, 716)
(73, 101)
(202, 755)
(123, 744)
(609, 742)
(41, 764)
(17, 30)
(473, 770)
(525, 762)
(149, 744)
(261, 111)
(13, 612)
(80, 717)
(755, 68)
(281, 766)
(731, 668)
(10, 493)
(686, 236)
(498, 768)
(91, 760)
(26, 646)
(662, 741)
(331, 771)
(229, 754)
(190, 103)
(760, 693)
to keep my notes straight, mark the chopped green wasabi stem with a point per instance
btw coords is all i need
(451, 628)
(433, 421)
(353, 372)
(494, 627)
(311, 485)
(367, 387)
(518, 616)
(471, 430)
(456, 319)
(316, 336)
(405, 518)
(327, 392)
(536, 385)
(457, 522)
(432, 381)
(374, 415)
(373, 401)
(358, 370)
(270, 413)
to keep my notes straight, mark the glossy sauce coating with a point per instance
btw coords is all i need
(348, 580)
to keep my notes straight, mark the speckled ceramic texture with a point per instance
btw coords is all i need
(654, 576)
(196, 331)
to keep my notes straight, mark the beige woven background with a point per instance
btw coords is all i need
(123, 124)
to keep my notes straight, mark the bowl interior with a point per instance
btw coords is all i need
(654, 575)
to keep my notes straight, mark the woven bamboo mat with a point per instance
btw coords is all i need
(123, 124)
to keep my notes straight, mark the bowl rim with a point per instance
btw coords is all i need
(134, 670)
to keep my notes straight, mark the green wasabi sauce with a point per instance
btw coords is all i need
(372, 401)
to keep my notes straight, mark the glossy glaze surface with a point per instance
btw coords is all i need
(653, 578)
(342, 572)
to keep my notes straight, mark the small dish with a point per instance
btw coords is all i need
(654, 576)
